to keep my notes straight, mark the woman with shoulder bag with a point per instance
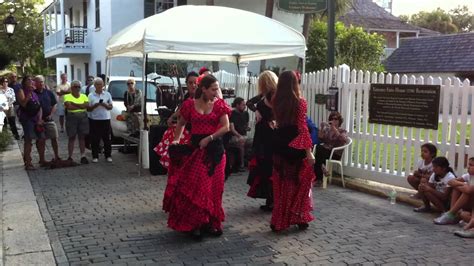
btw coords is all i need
(29, 115)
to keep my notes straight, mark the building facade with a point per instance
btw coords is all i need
(76, 33)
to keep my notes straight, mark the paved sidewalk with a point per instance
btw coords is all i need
(104, 213)
(23, 235)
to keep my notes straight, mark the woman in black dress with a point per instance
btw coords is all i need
(261, 164)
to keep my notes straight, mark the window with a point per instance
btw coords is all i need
(72, 72)
(98, 67)
(65, 69)
(153, 7)
(84, 14)
(97, 14)
(86, 70)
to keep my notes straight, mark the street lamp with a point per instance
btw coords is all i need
(10, 24)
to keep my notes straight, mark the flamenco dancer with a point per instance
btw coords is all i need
(162, 148)
(292, 161)
(261, 164)
(195, 205)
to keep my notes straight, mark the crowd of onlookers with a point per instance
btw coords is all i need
(83, 114)
(438, 185)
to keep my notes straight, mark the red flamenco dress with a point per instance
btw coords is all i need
(162, 148)
(194, 198)
(292, 175)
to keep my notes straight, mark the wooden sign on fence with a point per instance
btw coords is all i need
(404, 105)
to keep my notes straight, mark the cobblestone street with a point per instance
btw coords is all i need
(105, 213)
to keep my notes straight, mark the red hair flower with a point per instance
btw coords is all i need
(203, 69)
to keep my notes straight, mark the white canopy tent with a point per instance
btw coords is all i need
(205, 33)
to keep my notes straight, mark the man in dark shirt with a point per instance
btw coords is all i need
(239, 125)
(48, 105)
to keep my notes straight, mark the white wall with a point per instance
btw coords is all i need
(126, 12)
(258, 6)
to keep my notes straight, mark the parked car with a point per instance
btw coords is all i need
(117, 87)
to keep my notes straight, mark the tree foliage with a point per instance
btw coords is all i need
(26, 45)
(354, 47)
(459, 19)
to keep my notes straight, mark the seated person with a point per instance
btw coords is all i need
(437, 190)
(132, 100)
(423, 168)
(331, 135)
(239, 122)
(461, 199)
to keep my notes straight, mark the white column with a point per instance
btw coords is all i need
(243, 68)
(44, 24)
(63, 15)
(56, 18)
(398, 39)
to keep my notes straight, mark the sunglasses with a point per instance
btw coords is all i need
(128, 83)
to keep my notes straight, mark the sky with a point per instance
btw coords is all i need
(410, 7)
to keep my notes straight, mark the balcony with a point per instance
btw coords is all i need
(67, 42)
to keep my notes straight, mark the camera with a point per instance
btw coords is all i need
(101, 101)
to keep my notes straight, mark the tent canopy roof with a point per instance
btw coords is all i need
(207, 33)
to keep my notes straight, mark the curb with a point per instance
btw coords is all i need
(378, 189)
(24, 237)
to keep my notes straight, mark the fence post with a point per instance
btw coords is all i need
(344, 72)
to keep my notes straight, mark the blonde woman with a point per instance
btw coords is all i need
(260, 166)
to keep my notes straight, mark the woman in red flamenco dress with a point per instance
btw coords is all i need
(195, 205)
(292, 160)
(162, 148)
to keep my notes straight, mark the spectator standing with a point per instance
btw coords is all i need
(100, 104)
(132, 99)
(77, 123)
(10, 113)
(29, 113)
(48, 106)
(13, 83)
(62, 89)
(89, 87)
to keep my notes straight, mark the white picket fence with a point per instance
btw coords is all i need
(384, 153)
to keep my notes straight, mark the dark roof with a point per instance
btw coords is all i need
(369, 15)
(444, 53)
(427, 32)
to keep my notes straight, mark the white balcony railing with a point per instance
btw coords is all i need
(76, 38)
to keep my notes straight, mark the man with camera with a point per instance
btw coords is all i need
(100, 104)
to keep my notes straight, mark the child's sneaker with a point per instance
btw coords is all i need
(446, 218)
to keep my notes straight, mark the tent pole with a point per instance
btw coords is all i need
(140, 155)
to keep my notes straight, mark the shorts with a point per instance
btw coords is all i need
(60, 109)
(77, 124)
(50, 130)
(29, 131)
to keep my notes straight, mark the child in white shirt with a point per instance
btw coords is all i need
(423, 168)
(461, 199)
(437, 190)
